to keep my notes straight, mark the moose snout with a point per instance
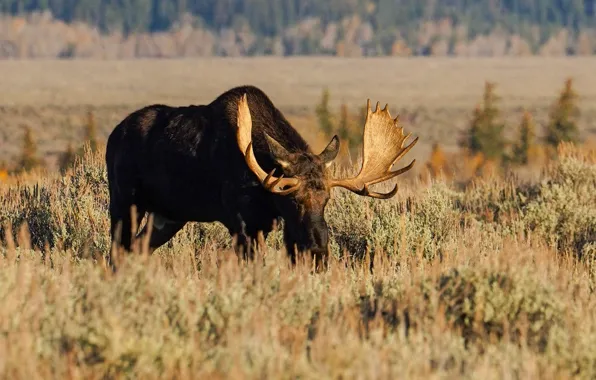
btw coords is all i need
(319, 238)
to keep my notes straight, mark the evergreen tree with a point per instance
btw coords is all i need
(524, 145)
(324, 115)
(268, 17)
(362, 116)
(29, 159)
(563, 117)
(359, 127)
(343, 129)
(485, 134)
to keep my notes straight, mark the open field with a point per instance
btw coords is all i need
(494, 281)
(434, 95)
(295, 83)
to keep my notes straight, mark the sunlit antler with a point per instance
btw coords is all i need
(277, 185)
(382, 147)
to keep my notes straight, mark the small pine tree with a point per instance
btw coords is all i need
(91, 131)
(29, 159)
(357, 128)
(562, 125)
(362, 116)
(67, 158)
(524, 145)
(324, 115)
(343, 130)
(485, 134)
(471, 140)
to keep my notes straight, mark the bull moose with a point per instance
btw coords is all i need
(218, 162)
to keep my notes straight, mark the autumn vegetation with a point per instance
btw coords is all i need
(474, 269)
(347, 28)
(494, 277)
(482, 266)
(484, 147)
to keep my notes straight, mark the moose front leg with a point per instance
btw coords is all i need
(243, 246)
(247, 237)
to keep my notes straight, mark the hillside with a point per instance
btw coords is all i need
(104, 29)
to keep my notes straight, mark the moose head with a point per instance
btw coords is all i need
(304, 186)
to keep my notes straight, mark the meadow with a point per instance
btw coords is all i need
(434, 97)
(494, 278)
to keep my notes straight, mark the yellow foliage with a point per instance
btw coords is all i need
(3, 175)
(473, 163)
(489, 168)
(400, 49)
(437, 162)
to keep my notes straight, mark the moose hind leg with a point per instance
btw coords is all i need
(122, 223)
(120, 226)
(121, 229)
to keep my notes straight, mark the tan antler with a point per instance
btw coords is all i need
(277, 185)
(382, 147)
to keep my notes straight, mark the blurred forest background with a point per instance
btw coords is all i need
(199, 28)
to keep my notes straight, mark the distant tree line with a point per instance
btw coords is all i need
(270, 17)
(536, 21)
(151, 28)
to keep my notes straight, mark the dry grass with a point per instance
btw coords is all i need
(435, 96)
(295, 83)
(495, 281)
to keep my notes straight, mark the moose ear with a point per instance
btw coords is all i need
(330, 152)
(278, 152)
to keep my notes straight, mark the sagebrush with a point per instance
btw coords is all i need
(493, 280)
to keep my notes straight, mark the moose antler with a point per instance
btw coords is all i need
(274, 184)
(382, 147)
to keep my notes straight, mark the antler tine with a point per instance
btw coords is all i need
(383, 146)
(273, 184)
(367, 193)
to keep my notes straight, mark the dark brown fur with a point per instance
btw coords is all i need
(183, 164)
